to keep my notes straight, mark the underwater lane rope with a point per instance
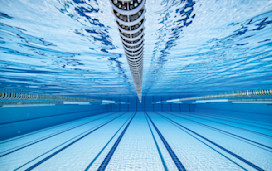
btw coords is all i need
(29, 96)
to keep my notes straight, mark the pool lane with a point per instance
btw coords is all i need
(9, 149)
(247, 136)
(194, 153)
(245, 154)
(137, 150)
(255, 128)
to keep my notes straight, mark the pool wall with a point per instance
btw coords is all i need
(149, 103)
(249, 111)
(20, 120)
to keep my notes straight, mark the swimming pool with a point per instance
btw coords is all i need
(68, 99)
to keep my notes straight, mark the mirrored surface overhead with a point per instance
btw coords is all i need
(73, 48)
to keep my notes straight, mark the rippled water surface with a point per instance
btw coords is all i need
(67, 47)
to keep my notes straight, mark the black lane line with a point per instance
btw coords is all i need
(68, 145)
(157, 146)
(45, 129)
(251, 142)
(167, 146)
(217, 145)
(240, 121)
(68, 113)
(100, 152)
(106, 161)
(255, 132)
(18, 148)
(209, 146)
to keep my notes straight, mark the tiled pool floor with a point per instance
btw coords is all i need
(143, 141)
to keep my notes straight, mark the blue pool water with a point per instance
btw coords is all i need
(68, 100)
